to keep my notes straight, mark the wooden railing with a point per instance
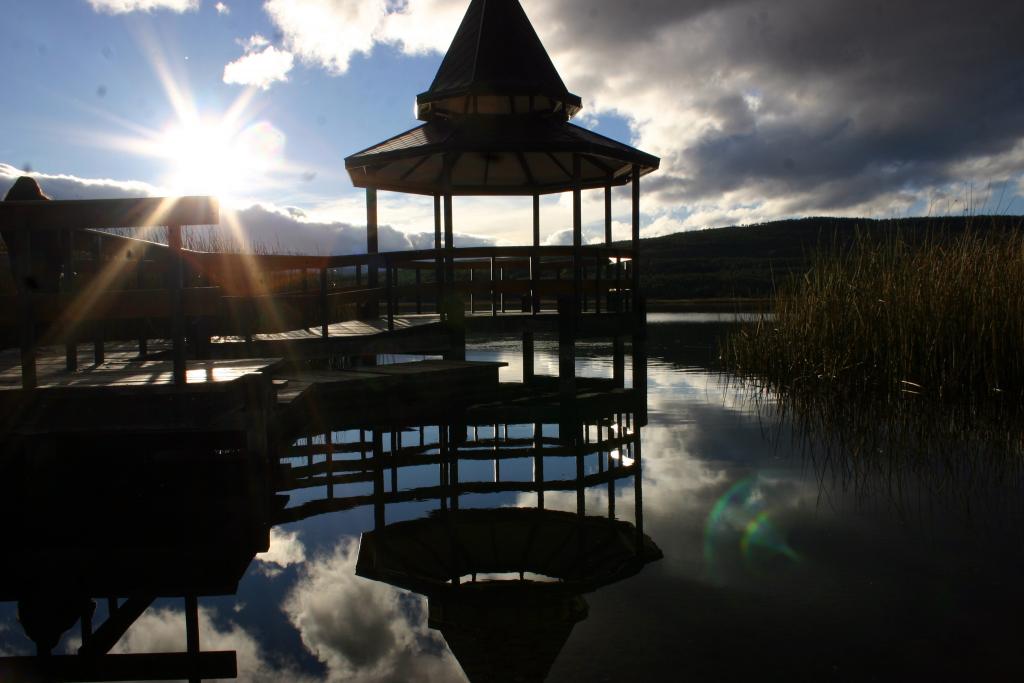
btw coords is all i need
(81, 301)
(112, 279)
(498, 279)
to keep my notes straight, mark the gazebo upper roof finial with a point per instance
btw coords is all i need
(496, 64)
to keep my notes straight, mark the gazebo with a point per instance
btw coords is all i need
(496, 122)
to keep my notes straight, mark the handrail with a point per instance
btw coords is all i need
(272, 262)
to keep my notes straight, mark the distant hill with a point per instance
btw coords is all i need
(747, 261)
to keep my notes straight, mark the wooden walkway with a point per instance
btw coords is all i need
(124, 369)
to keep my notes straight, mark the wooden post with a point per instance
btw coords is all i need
(419, 294)
(567, 318)
(618, 284)
(618, 361)
(472, 294)
(535, 257)
(192, 634)
(177, 303)
(448, 163)
(577, 231)
(453, 467)
(67, 288)
(494, 288)
(379, 520)
(139, 284)
(538, 462)
(438, 261)
(636, 235)
(536, 220)
(501, 284)
(97, 350)
(638, 493)
(608, 214)
(449, 240)
(581, 498)
(26, 316)
(389, 294)
(372, 247)
(325, 316)
(527, 356)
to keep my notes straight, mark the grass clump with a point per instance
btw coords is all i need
(934, 316)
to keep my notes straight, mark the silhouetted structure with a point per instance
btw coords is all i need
(496, 123)
(125, 528)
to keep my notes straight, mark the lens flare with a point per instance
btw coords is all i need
(741, 525)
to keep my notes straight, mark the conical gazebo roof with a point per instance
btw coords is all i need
(496, 53)
(496, 123)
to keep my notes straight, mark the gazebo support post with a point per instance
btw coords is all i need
(639, 308)
(608, 214)
(535, 257)
(453, 313)
(372, 247)
(534, 302)
(618, 347)
(449, 240)
(577, 233)
(439, 262)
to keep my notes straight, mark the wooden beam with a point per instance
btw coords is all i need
(526, 168)
(83, 214)
(115, 626)
(568, 173)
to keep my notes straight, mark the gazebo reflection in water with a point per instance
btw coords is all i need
(525, 517)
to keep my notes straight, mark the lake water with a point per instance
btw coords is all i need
(776, 563)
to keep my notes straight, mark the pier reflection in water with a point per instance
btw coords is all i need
(95, 536)
(776, 564)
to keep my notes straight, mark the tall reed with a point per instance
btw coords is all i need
(938, 317)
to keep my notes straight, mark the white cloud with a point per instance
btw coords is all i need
(222, 8)
(420, 26)
(363, 630)
(123, 6)
(754, 110)
(261, 66)
(327, 32)
(286, 550)
(320, 229)
(62, 186)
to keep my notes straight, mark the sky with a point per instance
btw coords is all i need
(759, 109)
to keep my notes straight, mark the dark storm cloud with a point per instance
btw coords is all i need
(784, 99)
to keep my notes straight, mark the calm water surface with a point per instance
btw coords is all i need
(775, 566)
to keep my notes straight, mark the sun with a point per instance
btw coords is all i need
(218, 158)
